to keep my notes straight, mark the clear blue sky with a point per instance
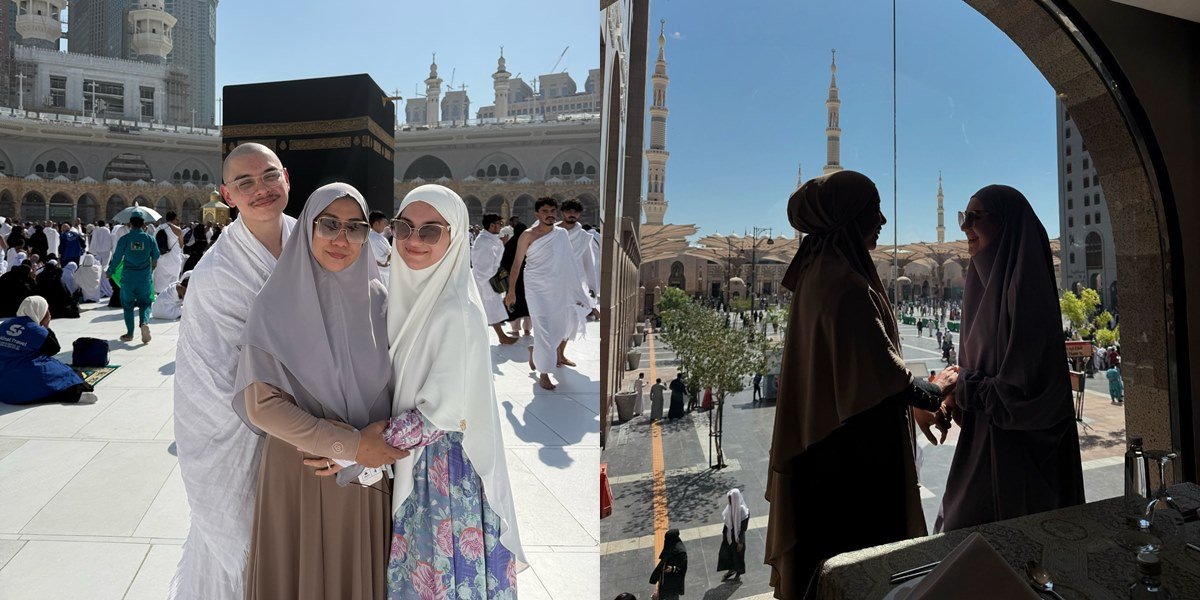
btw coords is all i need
(270, 40)
(747, 102)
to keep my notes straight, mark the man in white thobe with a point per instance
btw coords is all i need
(584, 245)
(51, 231)
(485, 261)
(381, 248)
(170, 263)
(554, 290)
(218, 454)
(100, 245)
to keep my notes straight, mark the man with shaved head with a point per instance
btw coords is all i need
(218, 455)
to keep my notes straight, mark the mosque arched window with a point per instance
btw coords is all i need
(578, 168)
(480, 173)
(1097, 218)
(62, 167)
(1095, 251)
(514, 172)
(491, 171)
(554, 171)
(591, 170)
(51, 167)
(175, 176)
(1087, 219)
(503, 171)
(566, 168)
(39, 169)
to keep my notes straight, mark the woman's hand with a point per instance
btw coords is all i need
(324, 466)
(950, 408)
(510, 299)
(373, 451)
(927, 421)
(947, 379)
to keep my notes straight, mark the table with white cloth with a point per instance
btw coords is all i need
(1077, 545)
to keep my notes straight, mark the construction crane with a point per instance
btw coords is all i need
(560, 57)
(452, 73)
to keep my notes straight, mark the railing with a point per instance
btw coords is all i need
(100, 121)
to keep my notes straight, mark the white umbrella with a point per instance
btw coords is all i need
(150, 214)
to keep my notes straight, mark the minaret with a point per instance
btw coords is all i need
(941, 228)
(500, 84)
(655, 205)
(38, 22)
(433, 89)
(833, 133)
(152, 39)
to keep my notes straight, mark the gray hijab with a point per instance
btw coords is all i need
(1011, 328)
(317, 335)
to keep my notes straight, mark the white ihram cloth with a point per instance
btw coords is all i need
(170, 263)
(442, 365)
(218, 454)
(381, 249)
(52, 238)
(101, 245)
(485, 260)
(88, 278)
(554, 290)
(585, 250)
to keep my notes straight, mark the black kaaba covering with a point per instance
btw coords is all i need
(324, 130)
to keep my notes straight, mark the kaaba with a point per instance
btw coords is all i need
(323, 130)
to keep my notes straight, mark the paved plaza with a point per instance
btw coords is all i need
(694, 494)
(92, 504)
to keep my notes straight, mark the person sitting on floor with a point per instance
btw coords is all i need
(32, 374)
(168, 305)
(15, 286)
(51, 287)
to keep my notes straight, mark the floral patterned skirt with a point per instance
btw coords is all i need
(446, 539)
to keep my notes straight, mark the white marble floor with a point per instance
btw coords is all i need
(92, 504)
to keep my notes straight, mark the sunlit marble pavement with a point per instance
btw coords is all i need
(92, 504)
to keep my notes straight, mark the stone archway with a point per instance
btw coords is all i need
(522, 208)
(591, 209)
(114, 205)
(87, 209)
(33, 207)
(496, 204)
(8, 208)
(190, 211)
(1125, 153)
(474, 209)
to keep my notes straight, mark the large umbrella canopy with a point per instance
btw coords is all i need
(150, 214)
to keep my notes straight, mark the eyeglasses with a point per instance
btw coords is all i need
(970, 217)
(247, 184)
(429, 233)
(330, 228)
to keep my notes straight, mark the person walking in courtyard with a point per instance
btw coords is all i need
(671, 572)
(757, 394)
(678, 391)
(136, 255)
(845, 392)
(656, 400)
(939, 337)
(920, 323)
(732, 555)
(638, 385)
(1116, 385)
(1018, 446)
(555, 290)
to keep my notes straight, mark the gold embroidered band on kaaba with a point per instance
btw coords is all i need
(379, 140)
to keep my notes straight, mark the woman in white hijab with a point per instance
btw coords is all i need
(455, 527)
(87, 278)
(313, 376)
(732, 555)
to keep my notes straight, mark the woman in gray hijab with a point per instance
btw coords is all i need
(313, 376)
(1018, 451)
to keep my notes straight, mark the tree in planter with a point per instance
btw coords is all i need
(1079, 310)
(723, 361)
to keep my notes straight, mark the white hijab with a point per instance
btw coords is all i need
(734, 513)
(441, 362)
(34, 307)
(88, 276)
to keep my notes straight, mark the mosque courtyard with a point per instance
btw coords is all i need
(92, 504)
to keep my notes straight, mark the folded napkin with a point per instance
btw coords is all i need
(973, 570)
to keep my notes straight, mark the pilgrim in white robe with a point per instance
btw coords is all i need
(218, 454)
(557, 298)
(88, 277)
(52, 241)
(170, 263)
(101, 245)
(167, 304)
(381, 248)
(585, 250)
(485, 260)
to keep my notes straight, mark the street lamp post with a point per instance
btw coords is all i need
(755, 232)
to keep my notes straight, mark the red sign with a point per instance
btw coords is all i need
(1079, 349)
